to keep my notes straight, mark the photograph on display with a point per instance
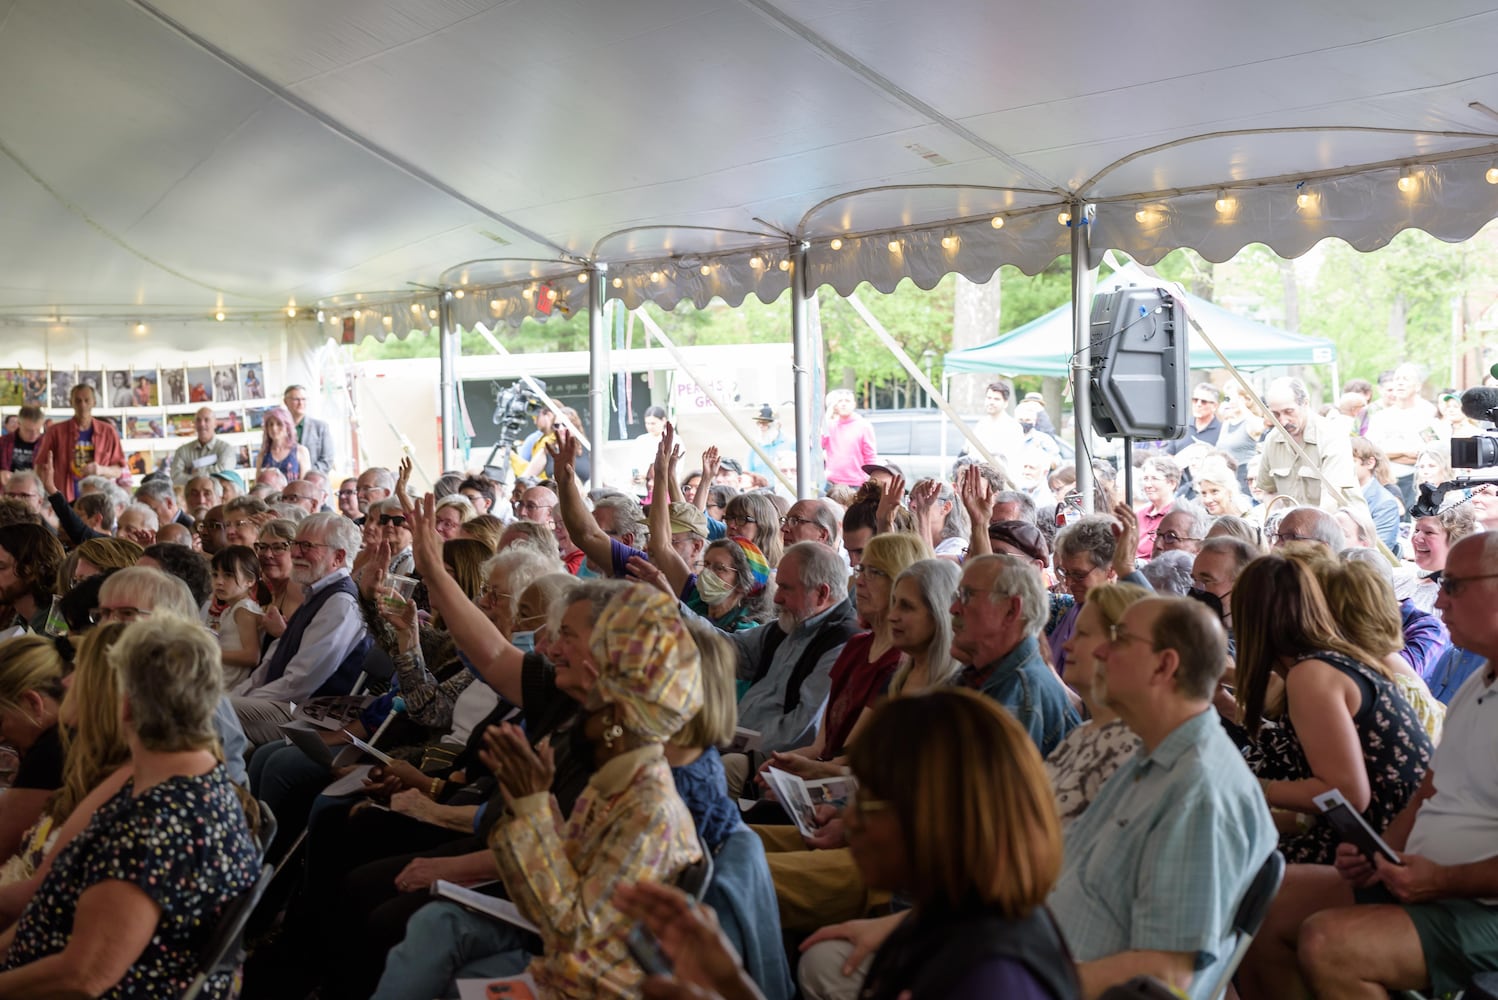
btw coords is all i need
(113, 422)
(141, 463)
(225, 385)
(180, 425)
(200, 385)
(118, 394)
(144, 390)
(12, 387)
(255, 416)
(246, 457)
(147, 426)
(35, 381)
(228, 422)
(62, 389)
(252, 380)
(173, 387)
(94, 379)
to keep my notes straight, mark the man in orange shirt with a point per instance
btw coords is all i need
(82, 446)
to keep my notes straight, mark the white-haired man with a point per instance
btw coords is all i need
(321, 650)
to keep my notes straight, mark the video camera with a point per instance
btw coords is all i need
(515, 407)
(1480, 452)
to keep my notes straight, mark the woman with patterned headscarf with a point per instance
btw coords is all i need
(629, 824)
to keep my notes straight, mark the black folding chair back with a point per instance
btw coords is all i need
(224, 952)
(1249, 916)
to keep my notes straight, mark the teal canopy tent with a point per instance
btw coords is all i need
(1043, 345)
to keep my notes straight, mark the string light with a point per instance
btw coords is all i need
(997, 222)
(140, 328)
(949, 242)
(291, 311)
(836, 244)
(582, 277)
(618, 282)
(1223, 204)
(1144, 216)
(1406, 181)
(1492, 175)
(495, 304)
(785, 265)
(458, 294)
(705, 270)
(388, 320)
(416, 308)
(1064, 218)
(1305, 199)
(894, 246)
(655, 277)
(431, 314)
(529, 292)
(321, 316)
(219, 315)
(756, 262)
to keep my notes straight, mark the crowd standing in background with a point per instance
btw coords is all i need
(947, 738)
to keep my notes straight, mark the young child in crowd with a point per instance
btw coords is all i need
(232, 614)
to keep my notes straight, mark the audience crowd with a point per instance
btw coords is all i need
(946, 739)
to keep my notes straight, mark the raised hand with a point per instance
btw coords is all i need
(563, 450)
(976, 495)
(520, 770)
(404, 477)
(426, 544)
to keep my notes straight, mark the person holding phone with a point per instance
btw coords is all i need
(1364, 926)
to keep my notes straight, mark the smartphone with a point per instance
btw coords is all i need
(646, 951)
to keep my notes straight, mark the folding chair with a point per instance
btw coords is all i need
(1249, 916)
(224, 953)
(376, 672)
(267, 834)
(696, 877)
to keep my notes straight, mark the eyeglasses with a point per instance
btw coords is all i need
(860, 806)
(1173, 537)
(261, 548)
(213, 525)
(532, 505)
(300, 545)
(739, 519)
(238, 524)
(487, 591)
(1281, 537)
(370, 489)
(101, 616)
(1075, 575)
(1205, 402)
(1452, 586)
(965, 595)
(722, 569)
(863, 569)
(399, 520)
(348, 493)
(1118, 635)
(792, 521)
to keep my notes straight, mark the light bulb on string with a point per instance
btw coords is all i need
(1304, 198)
(321, 316)
(1406, 182)
(785, 265)
(836, 244)
(582, 277)
(431, 314)
(756, 262)
(388, 320)
(219, 315)
(705, 270)
(458, 294)
(140, 328)
(495, 304)
(656, 277)
(1223, 204)
(416, 308)
(1492, 175)
(1063, 217)
(529, 292)
(949, 242)
(291, 311)
(893, 246)
(997, 222)
(618, 282)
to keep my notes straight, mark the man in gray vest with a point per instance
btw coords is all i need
(320, 650)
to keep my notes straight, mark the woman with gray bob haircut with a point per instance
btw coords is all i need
(131, 901)
(921, 625)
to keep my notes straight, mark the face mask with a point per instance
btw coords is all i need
(1210, 600)
(524, 641)
(1027, 428)
(711, 589)
(585, 572)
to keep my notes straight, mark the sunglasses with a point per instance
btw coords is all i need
(396, 519)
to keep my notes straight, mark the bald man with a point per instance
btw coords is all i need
(205, 454)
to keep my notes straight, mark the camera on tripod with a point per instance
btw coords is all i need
(515, 408)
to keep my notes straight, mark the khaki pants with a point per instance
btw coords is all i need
(814, 888)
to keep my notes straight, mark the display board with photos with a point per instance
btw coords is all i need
(153, 408)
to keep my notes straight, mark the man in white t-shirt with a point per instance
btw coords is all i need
(998, 429)
(1431, 922)
(1404, 425)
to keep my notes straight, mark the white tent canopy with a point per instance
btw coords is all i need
(175, 157)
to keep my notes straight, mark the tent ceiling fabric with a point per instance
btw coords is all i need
(170, 157)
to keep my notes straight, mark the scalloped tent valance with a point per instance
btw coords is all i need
(168, 159)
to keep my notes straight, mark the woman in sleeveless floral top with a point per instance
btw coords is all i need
(1317, 713)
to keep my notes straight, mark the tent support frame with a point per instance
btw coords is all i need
(1082, 280)
(804, 363)
(598, 368)
(446, 343)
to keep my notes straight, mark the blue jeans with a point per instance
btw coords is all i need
(445, 942)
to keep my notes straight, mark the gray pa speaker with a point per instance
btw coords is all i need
(1140, 367)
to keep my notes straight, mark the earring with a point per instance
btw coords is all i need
(611, 733)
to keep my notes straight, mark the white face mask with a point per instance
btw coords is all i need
(712, 589)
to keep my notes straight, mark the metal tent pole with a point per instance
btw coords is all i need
(1081, 337)
(808, 436)
(598, 368)
(446, 341)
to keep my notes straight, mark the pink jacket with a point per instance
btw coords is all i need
(849, 446)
